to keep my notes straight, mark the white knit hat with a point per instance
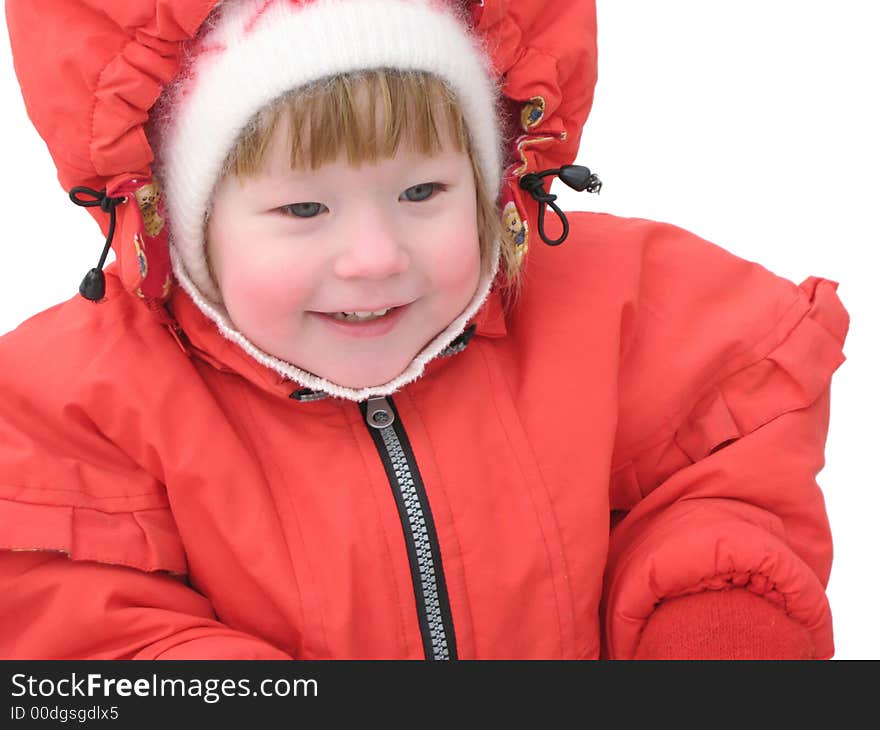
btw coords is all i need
(251, 53)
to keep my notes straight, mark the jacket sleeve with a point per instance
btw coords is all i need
(52, 607)
(91, 562)
(724, 397)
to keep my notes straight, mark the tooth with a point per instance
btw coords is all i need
(361, 316)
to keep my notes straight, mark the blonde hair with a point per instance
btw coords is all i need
(416, 108)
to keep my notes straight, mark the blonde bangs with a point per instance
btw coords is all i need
(326, 121)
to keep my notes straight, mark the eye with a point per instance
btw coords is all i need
(303, 210)
(422, 191)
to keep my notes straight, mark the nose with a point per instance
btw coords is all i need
(374, 249)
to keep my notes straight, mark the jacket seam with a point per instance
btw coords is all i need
(99, 85)
(45, 547)
(774, 587)
(78, 556)
(144, 567)
(165, 506)
(485, 358)
(246, 436)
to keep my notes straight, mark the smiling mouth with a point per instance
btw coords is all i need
(363, 315)
(369, 327)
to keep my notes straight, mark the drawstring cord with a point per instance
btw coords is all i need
(92, 286)
(576, 177)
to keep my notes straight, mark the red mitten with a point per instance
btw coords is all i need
(727, 624)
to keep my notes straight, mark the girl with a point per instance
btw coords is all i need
(356, 387)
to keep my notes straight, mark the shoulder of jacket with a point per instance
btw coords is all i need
(80, 466)
(621, 251)
(623, 239)
(76, 336)
(90, 373)
(640, 255)
(628, 231)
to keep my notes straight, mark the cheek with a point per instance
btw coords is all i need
(257, 280)
(455, 262)
(263, 292)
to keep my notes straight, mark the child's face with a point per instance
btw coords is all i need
(289, 246)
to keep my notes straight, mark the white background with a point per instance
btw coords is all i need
(752, 123)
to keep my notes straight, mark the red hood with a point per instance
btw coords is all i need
(90, 72)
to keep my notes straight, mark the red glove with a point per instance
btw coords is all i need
(727, 624)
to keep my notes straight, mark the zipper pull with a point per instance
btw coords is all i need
(379, 413)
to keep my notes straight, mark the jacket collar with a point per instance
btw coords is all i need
(204, 339)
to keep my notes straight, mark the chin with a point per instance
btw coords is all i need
(359, 383)
(361, 380)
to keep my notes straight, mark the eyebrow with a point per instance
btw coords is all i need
(288, 177)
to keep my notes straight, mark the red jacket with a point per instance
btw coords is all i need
(176, 501)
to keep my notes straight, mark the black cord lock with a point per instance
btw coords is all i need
(93, 284)
(577, 177)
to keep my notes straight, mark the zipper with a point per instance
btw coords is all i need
(429, 585)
